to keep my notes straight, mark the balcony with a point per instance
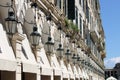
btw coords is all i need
(88, 50)
(82, 44)
(55, 12)
(94, 36)
(103, 54)
(101, 45)
(48, 4)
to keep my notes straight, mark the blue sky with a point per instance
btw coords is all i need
(110, 15)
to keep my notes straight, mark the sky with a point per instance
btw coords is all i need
(110, 15)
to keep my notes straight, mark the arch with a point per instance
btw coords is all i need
(3, 9)
(28, 21)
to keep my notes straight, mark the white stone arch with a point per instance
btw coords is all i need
(66, 43)
(4, 10)
(40, 20)
(45, 30)
(19, 6)
(53, 29)
(28, 21)
(56, 38)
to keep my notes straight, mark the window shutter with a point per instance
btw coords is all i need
(71, 9)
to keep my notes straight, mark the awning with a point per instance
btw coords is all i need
(76, 72)
(6, 65)
(29, 63)
(55, 65)
(7, 57)
(80, 72)
(70, 72)
(65, 73)
(46, 71)
(29, 68)
(44, 63)
(85, 75)
(57, 72)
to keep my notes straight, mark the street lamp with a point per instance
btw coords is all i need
(78, 59)
(74, 57)
(68, 54)
(60, 49)
(11, 21)
(35, 36)
(82, 62)
(49, 43)
(11, 24)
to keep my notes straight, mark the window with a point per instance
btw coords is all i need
(95, 51)
(96, 5)
(83, 4)
(80, 24)
(55, 2)
(115, 74)
(58, 3)
(65, 7)
(87, 12)
(0, 50)
(71, 9)
(89, 18)
(76, 15)
(111, 73)
(84, 30)
(88, 40)
(80, 2)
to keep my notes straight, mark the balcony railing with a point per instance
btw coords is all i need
(103, 54)
(101, 44)
(94, 36)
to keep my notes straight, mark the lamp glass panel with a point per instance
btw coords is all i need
(11, 26)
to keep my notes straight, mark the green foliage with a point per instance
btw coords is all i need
(71, 25)
(66, 23)
(74, 27)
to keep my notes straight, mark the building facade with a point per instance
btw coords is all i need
(51, 40)
(115, 72)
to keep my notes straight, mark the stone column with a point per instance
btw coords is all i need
(36, 51)
(16, 42)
